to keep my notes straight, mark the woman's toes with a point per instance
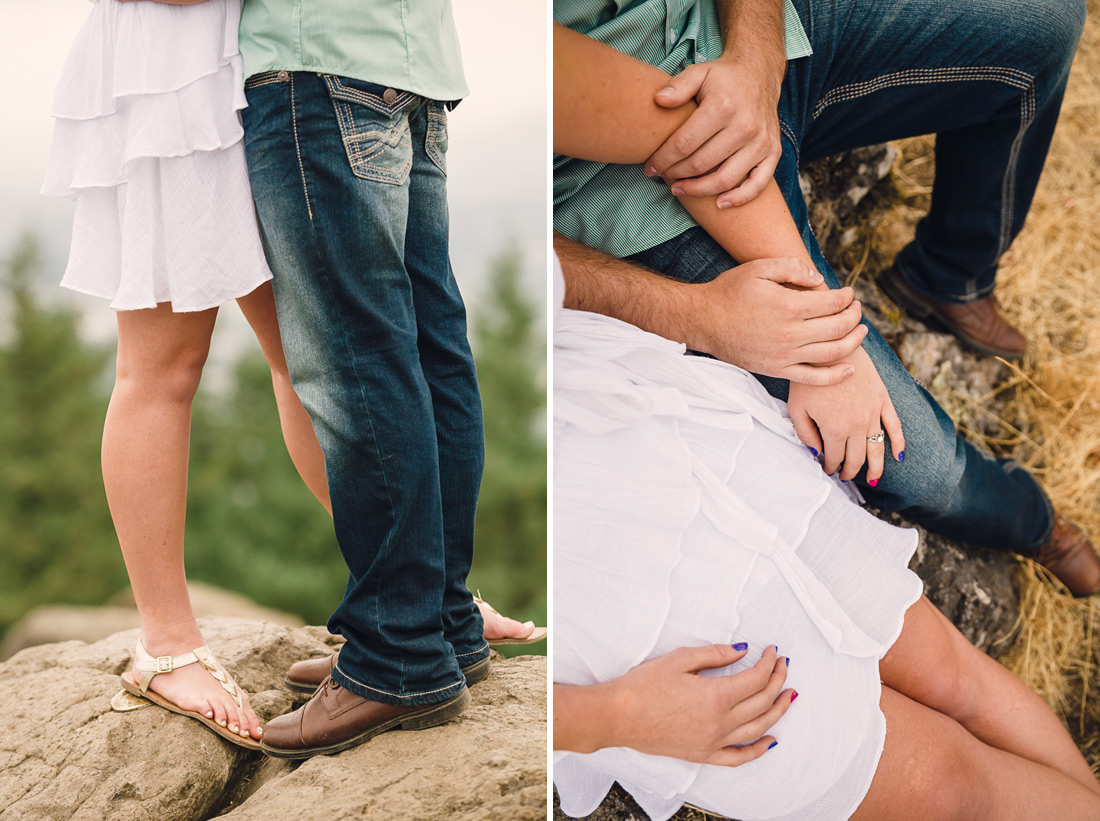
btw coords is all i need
(220, 714)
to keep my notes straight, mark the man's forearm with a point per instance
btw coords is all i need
(753, 30)
(602, 284)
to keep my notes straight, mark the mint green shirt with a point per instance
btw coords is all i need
(617, 208)
(408, 45)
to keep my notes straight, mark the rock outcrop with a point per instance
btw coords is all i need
(66, 755)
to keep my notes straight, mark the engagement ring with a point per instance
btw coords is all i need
(878, 437)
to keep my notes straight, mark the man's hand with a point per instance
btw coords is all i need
(837, 420)
(730, 145)
(664, 707)
(750, 317)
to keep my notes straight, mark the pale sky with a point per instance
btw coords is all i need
(497, 158)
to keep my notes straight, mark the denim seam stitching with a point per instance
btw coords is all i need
(1008, 188)
(264, 78)
(298, 147)
(365, 98)
(1010, 76)
(397, 695)
(478, 650)
(789, 133)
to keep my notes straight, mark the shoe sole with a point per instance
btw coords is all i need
(430, 716)
(902, 294)
(474, 673)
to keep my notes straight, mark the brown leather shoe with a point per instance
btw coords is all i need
(978, 324)
(1070, 556)
(306, 676)
(336, 719)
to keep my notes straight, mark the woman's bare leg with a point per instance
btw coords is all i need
(145, 451)
(301, 440)
(933, 768)
(933, 664)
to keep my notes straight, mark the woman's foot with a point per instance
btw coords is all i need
(500, 628)
(192, 687)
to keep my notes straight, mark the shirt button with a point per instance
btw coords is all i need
(284, 76)
(388, 96)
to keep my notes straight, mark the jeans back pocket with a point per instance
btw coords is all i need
(375, 133)
(435, 146)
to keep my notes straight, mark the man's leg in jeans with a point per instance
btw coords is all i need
(448, 366)
(334, 223)
(989, 80)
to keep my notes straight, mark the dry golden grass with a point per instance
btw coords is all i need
(1049, 286)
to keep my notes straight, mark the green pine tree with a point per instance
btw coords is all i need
(56, 538)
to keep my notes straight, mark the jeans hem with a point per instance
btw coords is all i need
(481, 652)
(958, 299)
(434, 696)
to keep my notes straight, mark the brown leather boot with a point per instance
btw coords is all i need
(1070, 556)
(978, 324)
(306, 676)
(336, 719)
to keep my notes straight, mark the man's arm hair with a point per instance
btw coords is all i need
(602, 284)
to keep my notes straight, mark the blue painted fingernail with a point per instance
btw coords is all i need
(788, 661)
(772, 744)
(740, 646)
(901, 456)
(812, 450)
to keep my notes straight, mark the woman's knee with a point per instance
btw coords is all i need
(929, 761)
(170, 375)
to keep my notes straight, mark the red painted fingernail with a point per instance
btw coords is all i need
(794, 695)
(873, 482)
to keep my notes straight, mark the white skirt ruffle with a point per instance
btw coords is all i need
(148, 141)
(687, 512)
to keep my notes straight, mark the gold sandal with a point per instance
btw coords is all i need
(537, 633)
(137, 693)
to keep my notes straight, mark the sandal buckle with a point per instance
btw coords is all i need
(164, 664)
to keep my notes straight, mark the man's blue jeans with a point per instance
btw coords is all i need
(350, 187)
(988, 78)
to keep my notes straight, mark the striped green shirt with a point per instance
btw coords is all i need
(409, 45)
(617, 208)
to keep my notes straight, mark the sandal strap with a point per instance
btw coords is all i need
(479, 600)
(150, 666)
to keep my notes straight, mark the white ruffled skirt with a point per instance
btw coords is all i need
(148, 141)
(687, 512)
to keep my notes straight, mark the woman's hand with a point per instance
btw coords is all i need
(775, 317)
(664, 707)
(838, 419)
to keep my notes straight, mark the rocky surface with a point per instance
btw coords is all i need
(66, 755)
